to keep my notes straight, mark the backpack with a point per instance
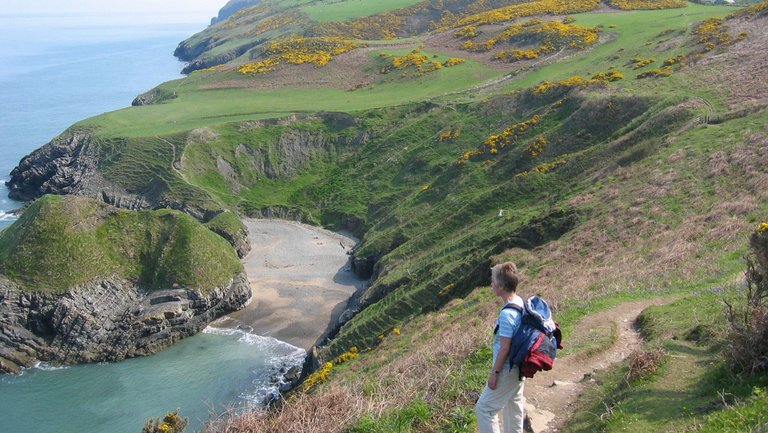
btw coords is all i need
(535, 344)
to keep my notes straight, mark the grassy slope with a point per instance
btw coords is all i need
(335, 11)
(59, 243)
(195, 108)
(656, 214)
(691, 391)
(632, 34)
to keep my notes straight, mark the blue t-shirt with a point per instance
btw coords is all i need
(508, 323)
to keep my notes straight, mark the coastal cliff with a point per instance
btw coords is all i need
(106, 320)
(82, 281)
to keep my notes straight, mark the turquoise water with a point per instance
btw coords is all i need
(207, 371)
(54, 72)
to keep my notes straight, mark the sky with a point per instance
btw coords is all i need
(149, 11)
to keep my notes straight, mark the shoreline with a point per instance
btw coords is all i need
(301, 279)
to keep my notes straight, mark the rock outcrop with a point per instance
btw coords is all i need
(66, 165)
(69, 164)
(154, 96)
(107, 320)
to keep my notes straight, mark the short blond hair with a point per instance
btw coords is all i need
(505, 275)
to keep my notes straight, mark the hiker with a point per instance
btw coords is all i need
(504, 389)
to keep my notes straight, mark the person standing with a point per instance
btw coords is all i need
(504, 389)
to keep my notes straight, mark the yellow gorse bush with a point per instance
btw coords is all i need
(537, 146)
(446, 289)
(453, 61)
(665, 71)
(260, 67)
(317, 51)
(317, 377)
(578, 81)
(548, 36)
(418, 61)
(538, 7)
(496, 141)
(639, 62)
(449, 135)
(762, 227)
(546, 167)
(468, 32)
(758, 9)
(674, 60)
(323, 373)
(713, 33)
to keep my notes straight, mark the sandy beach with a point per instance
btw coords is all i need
(301, 281)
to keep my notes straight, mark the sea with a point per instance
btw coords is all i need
(55, 71)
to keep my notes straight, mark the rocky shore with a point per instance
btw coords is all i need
(107, 320)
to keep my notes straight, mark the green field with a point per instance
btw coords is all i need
(341, 11)
(195, 108)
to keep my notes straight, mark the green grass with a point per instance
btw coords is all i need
(325, 11)
(196, 108)
(430, 224)
(687, 392)
(403, 420)
(61, 242)
(631, 31)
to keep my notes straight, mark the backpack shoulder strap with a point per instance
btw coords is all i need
(514, 307)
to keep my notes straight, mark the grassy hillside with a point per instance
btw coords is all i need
(62, 242)
(612, 154)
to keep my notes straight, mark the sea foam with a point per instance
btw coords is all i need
(286, 356)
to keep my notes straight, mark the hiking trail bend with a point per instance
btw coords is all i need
(551, 396)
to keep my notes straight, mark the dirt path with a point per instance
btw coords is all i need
(300, 278)
(551, 396)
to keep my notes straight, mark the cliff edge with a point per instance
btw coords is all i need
(82, 281)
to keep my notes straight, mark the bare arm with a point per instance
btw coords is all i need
(501, 360)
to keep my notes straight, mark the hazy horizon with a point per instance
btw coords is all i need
(137, 11)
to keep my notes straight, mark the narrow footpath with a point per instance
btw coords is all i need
(551, 396)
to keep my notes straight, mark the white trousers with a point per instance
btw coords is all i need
(508, 396)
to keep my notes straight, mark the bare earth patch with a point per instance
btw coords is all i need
(739, 71)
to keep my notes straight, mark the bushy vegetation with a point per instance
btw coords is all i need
(543, 36)
(646, 4)
(317, 51)
(171, 423)
(747, 342)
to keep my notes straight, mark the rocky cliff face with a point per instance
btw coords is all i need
(69, 165)
(107, 320)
